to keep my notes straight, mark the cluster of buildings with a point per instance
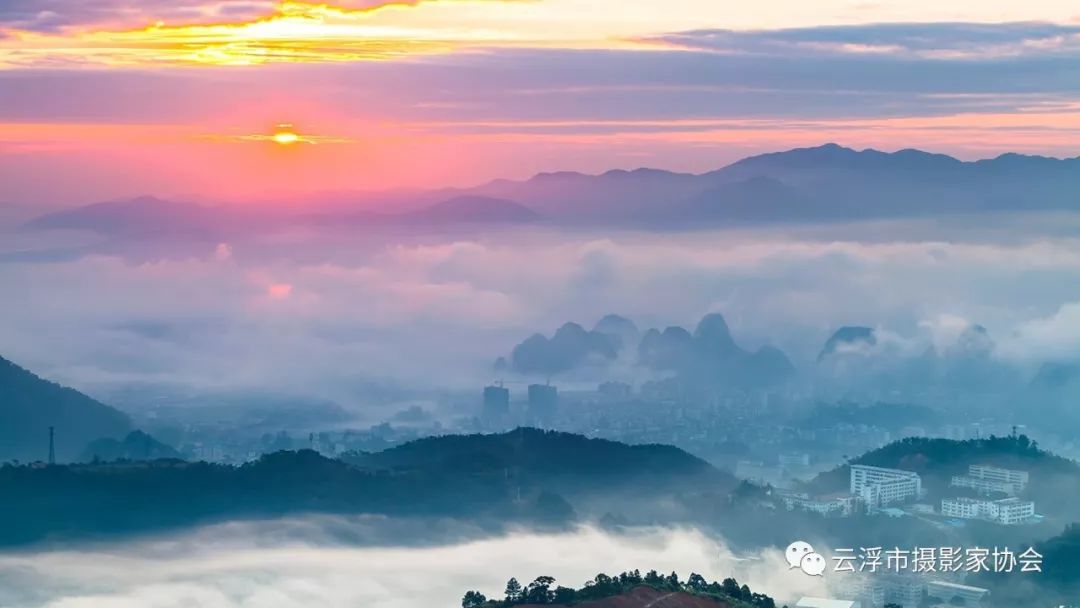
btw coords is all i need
(871, 490)
(986, 479)
(878, 489)
(541, 408)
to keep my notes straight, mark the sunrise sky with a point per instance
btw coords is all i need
(255, 99)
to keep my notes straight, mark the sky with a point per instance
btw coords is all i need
(105, 99)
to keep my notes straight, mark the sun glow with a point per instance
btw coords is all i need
(285, 136)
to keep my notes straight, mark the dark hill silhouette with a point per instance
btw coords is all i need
(537, 453)
(141, 216)
(29, 405)
(136, 446)
(527, 477)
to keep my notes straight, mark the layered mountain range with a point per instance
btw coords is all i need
(708, 355)
(825, 183)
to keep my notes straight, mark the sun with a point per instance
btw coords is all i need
(285, 135)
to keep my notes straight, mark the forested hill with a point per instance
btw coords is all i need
(532, 456)
(538, 454)
(526, 477)
(29, 405)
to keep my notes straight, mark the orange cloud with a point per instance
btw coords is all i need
(297, 31)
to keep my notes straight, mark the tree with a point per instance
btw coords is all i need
(513, 590)
(539, 591)
(565, 595)
(473, 599)
(696, 583)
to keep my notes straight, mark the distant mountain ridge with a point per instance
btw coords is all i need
(823, 183)
(707, 356)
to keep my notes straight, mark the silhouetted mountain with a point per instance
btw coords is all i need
(828, 182)
(613, 197)
(473, 209)
(526, 476)
(29, 405)
(136, 446)
(670, 350)
(758, 198)
(706, 357)
(570, 347)
(536, 454)
(617, 327)
(848, 339)
(824, 183)
(142, 216)
(711, 356)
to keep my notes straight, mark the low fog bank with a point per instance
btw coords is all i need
(360, 562)
(360, 319)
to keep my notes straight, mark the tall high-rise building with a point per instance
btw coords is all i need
(52, 445)
(543, 402)
(496, 403)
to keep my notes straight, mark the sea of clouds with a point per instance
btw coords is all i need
(301, 563)
(313, 313)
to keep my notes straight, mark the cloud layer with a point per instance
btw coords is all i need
(234, 566)
(327, 310)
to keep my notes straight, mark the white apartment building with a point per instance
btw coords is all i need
(962, 508)
(985, 479)
(1014, 511)
(878, 486)
(1006, 512)
(985, 471)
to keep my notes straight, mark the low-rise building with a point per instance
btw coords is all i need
(830, 505)
(1006, 512)
(986, 479)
